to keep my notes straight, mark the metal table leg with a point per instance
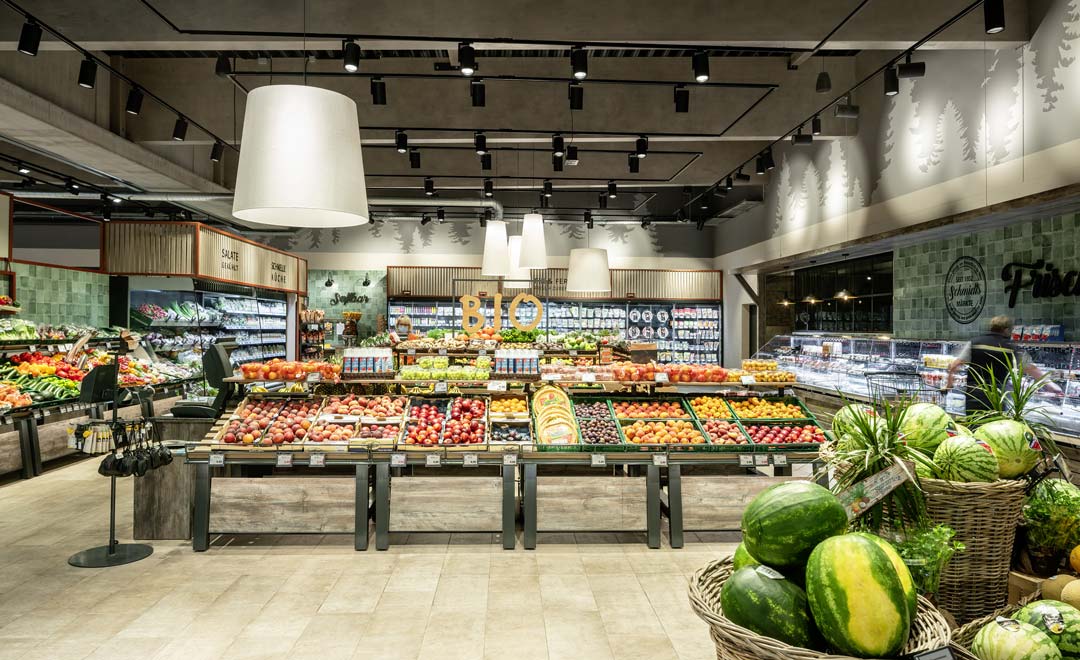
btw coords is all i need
(529, 491)
(781, 470)
(674, 495)
(652, 505)
(382, 506)
(24, 425)
(509, 508)
(360, 515)
(200, 535)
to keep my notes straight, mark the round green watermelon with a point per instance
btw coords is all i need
(902, 572)
(965, 458)
(1014, 446)
(783, 524)
(925, 426)
(1008, 639)
(842, 420)
(743, 558)
(857, 598)
(760, 599)
(1060, 621)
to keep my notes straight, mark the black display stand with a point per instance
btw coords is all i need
(100, 385)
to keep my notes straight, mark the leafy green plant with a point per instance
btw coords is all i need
(1052, 516)
(926, 551)
(1014, 398)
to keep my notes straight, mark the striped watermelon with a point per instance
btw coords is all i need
(761, 599)
(925, 426)
(784, 522)
(857, 599)
(1060, 621)
(964, 458)
(1008, 639)
(1014, 445)
(743, 558)
(841, 421)
(902, 571)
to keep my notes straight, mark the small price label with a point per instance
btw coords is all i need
(411, 351)
(482, 351)
(790, 392)
(284, 459)
(217, 459)
(440, 387)
(746, 460)
(397, 460)
(314, 377)
(747, 380)
(540, 353)
(588, 378)
(660, 378)
(496, 386)
(434, 460)
(573, 353)
(779, 459)
(33, 349)
(509, 459)
(659, 460)
(598, 460)
(318, 459)
(469, 460)
(761, 459)
(442, 351)
(549, 377)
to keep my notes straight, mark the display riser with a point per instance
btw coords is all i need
(600, 504)
(717, 503)
(157, 515)
(439, 504)
(285, 505)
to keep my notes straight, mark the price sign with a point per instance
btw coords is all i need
(509, 459)
(397, 460)
(284, 459)
(573, 353)
(440, 387)
(779, 459)
(746, 460)
(217, 459)
(660, 378)
(496, 386)
(540, 353)
(318, 459)
(789, 392)
(482, 351)
(442, 351)
(411, 351)
(761, 459)
(549, 377)
(598, 460)
(314, 377)
(747, 380)
(33, 349)
(588, 378)
(469, 460)
(937, 654)
(659, 460)
(433, 460)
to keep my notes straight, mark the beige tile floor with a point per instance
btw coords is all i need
(437, 596)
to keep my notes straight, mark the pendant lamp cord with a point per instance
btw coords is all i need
(305, 41)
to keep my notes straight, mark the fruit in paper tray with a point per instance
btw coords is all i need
(663, 433)
(249, 423)
(330, 433)
(293, 422)
(758, 408)
(378, 431)
(649, 410)
(724, 433)
(710, 407)
(764, 434)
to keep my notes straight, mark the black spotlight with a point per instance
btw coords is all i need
(909, 69)
(558, 145)
(892, 82)
(846, 111)
(612, 190)
(425, 219)
(571, 155)
(134, 102)
(741, 177)
(414, 159)
(480, 142)
(577, 96)
(466, 59)
(815, 125)
(350, 56)
(30, 38)
(106, 213)
(603, 201)
(588, 220)
(441, 215)
(329, 281)
(485, 162)
(759, 165)
(87, 73)
(824, 83)
(682, 99)
(429, 186)
(579, 63)
(802, 139)
(645, 222)
(556, 163)
(994, 16)
(729, 184)
(641, 147)
(401, 141)
(72, 187)
(179, 131)
(478, 93)
(222, 67)
(547, 188)
(767, 156)
(489, 188)
(633, 163)
(217, 151)
(21, 168)
(701, 66)
(378, 91)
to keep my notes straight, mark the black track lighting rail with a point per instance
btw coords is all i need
(802, 57)
(577, 132)
(14, 6)
(63, 181)
(542, 150)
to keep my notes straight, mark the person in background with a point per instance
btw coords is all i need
(987, 354)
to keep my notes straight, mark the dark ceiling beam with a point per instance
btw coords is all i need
(798, 58)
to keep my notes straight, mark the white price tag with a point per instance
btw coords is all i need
(397, 460)
(482, 351)
(440, 387)
(746, 460)
(779, 459)
(659, 460)
(660, 377)
(789, 392)
(433, 460)
(217, 459)
(549, 377)
(284, 459)
(314, 377)
(747, 380)
(496, 386)
(442, 351)
(761, 459)
(598, 460)
(469, 460)
(411, 351)
(588, 378)
(33, 348)
(509, 459)
(573, 353)
(318, 459)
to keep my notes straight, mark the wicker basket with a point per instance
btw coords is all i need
(965, 634)
(929, 630)
(985, 517)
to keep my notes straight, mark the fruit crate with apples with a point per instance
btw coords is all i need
(677, 434)
(250, 418)
(295, 421)
(760, 402)
(376, 436)
(782, 436)
(466, 427)
(424, 421)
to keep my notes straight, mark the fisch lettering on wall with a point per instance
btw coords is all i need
(1042, 279)
(965, 290)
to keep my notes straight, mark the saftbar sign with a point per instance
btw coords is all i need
(965, 290)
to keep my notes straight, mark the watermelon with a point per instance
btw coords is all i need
(925, 426)
(1060, 622)
(784, 522)
(902, 571)
(760, 599)
(857, 599)
(842, 420)
(1008, 639)
(966, 459)
(1014, 445)
(743, 558)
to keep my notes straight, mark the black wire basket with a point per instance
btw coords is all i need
(901, 387)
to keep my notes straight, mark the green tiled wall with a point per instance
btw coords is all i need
(57, 295)
(919, 275)
(349, 281)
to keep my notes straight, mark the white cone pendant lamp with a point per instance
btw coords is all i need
(496, 261)
(518, 277)
(588, 272)
(534, 252)
(300, 162)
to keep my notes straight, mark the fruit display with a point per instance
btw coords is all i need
(330, 433)
(785, 434)
(599, 431)
(736, 375)
(425, 423)
(710, 407)
(760, 599)
(663, 433)
(590, 409)
(724, 433)
(742, 558)
(294, 421)
(759, 365)
(378, 431)
(510, 433)
(1014, 446)
(773, 376)
(290, 370)
(925, 426)
(11, 397)
(1060, 621)
(759, 408)
(509, 405)
(649, 410)
(466, 424)
(1006, 639)
(965, 459)
(348, 404)
(554, 418)
(250, 421)
(784, 523)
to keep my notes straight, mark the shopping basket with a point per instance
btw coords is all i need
(903, 387)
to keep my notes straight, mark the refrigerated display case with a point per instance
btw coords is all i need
(682, 332)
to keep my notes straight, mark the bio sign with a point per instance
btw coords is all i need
(472, 318)
(965, 290)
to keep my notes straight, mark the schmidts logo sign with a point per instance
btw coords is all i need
(965, 290)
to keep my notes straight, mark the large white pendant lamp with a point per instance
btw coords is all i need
(532, 237)
(300, 162)
(518, 277)
(588, 272)
(496, 250)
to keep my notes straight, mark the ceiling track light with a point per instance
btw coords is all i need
(378, 91)
(603, 201)
(480, 142)
(759, 165)
(556, 163)
(179, 131)
(641, 146)
(767, 156)
(633, 163)
(558, 145)
(425, 219)
(134, 102)
(72, 187)
(994, 16)
(645, 222)
(489, 188)
(485, 162)
(701, 66)
(576, 94)
(441, 215)
(329, 282)
(579, 63)
(815, 125)
(891, 81)
(802, 139)
(612, 190)
(729, 184)
(401, 141)
(478, 93)
(741, 177)
(222, 66)
(429, 186)
(682, 99)
(547, 188)
(846, 111)
(87, 73)
(572, 155)
(350, 56)
(909, 69)
(543, 201)
(22, 168)
(30, 38)
(106, 213)
(414, 159)
(217, 151)
(466, 59)
(588, 220)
